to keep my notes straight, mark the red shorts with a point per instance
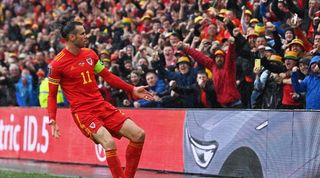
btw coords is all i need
(104, 115)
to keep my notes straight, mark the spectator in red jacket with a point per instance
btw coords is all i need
(223, 68)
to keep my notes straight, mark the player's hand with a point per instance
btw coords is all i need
(142, 93)
(54, 129)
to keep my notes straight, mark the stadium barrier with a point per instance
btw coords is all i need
(245, 143)
(25, 133)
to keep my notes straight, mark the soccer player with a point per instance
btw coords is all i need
(73, 68)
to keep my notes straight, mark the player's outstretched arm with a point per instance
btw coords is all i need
(115, 81)
(52, 107)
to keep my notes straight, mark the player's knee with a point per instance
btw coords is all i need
(109, 144)
(106, 142)
(139, 136)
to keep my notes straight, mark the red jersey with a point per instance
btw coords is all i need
(75, 73)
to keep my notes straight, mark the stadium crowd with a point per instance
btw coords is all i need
(191, 53)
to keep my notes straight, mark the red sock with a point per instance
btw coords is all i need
(114, 164)
(133, 154)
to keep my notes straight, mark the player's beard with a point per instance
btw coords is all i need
(81, 43)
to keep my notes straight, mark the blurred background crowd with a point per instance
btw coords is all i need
(191, 53)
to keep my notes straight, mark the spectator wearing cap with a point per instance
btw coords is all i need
(106, 62)
(104, 54)
(145, 24)
(310, 85)
(253, 22)
(261, 51)
(12, 58)
(266, 93)
(251, 38)
(198, 19)
(301, 39)
(288, 37)
(201, 28)
(185, 76)
(260, 28)
(245, 20)
(290, 99)
(223, 68)
(302, 73)
(268, 52)
(297, 46)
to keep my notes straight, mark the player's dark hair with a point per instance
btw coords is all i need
(68, 26)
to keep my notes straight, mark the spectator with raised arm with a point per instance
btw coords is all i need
(185, 76)
(223, 68)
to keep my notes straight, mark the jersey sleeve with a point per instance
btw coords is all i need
(53, 75)
(54, 80)
(115, 81)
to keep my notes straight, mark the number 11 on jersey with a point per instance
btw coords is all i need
(85, 81)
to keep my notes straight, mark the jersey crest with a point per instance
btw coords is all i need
(89, 61)
(92, 125)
